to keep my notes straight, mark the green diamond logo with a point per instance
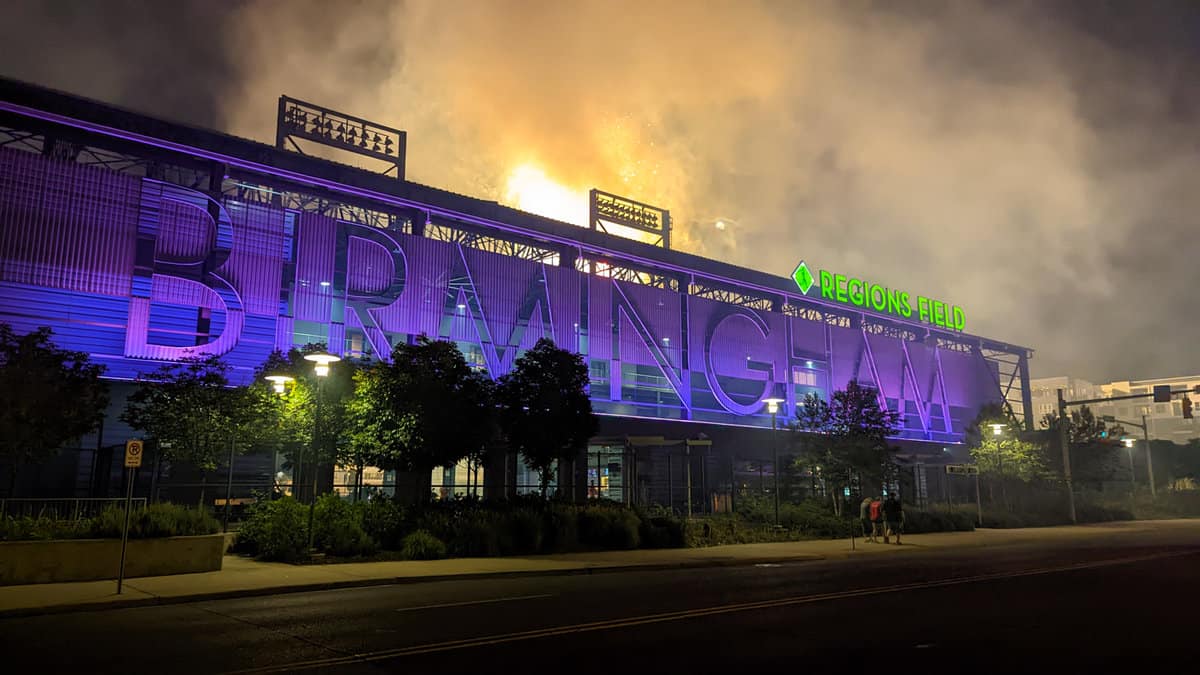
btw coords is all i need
(803, 278)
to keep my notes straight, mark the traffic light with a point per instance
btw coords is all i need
(1187, 407)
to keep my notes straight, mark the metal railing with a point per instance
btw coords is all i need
(62, 508)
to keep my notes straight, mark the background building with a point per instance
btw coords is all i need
(142, 241)
(1165, 420)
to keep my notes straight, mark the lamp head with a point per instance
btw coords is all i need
(321, 361)
(279, 382)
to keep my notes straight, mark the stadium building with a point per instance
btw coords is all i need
(141, 240)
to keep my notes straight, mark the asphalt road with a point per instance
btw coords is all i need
(1127, 602)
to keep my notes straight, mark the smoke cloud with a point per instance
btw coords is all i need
(1032, 163)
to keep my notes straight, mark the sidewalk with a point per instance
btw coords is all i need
(242, 577)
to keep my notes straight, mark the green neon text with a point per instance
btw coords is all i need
(872, 296)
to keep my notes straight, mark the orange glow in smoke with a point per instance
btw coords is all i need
(529, 189)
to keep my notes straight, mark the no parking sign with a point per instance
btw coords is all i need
(133, 454)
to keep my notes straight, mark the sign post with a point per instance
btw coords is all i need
(969, 470)
(133, 460)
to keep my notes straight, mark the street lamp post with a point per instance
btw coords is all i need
(998, 430)
(773, 408)
(279, 384)
(1128, 443)
(321, 361)
(1145, 427)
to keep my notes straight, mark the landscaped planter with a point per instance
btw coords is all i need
(39, 562)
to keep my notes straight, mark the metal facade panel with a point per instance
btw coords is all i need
(312, 289)
(254, 266)
(66, 226)
(419, 307)
(847, 357)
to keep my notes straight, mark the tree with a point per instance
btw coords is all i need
(545, 411)
(489, 436)
(1007, 456)
(421, 410)
(189, 411)
(847, 437)
(310, 418)
(1094, 455)
(48, 396)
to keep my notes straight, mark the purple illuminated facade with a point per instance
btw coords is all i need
(207, 248)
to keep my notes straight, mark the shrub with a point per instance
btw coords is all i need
(383, 520)
(561, 523)
(813, 519)
(156, 520)
(662, 532)
(421, 545)
(474, 535)
(917, 521)
(337, 528)
(1169, 504)
(275, 530)
(25, 528)
(1098, 513)
(522, 531)
(608, 527)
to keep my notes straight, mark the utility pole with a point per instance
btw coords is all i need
(1149, 458)
(1066, 453)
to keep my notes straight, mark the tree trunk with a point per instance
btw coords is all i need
(155, 476)
(203, 486)
(358, 481)
(12, 480)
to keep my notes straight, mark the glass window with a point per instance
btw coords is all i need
(528, 481)
(606, 472)
(803, 376)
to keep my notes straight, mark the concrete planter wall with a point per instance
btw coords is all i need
(40, 562)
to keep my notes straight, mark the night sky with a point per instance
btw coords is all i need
(1034, 162)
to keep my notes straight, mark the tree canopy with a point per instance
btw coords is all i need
(422, 409)
(48, 396)
(188, 409)
(1009, 454)
(846, 437)
(545, 410)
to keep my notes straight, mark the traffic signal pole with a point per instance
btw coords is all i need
(1066, 453)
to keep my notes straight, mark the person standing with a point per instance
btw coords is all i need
(876, 512)
(893, 518)
(864, 517)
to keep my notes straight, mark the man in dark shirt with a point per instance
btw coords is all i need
(893, 517)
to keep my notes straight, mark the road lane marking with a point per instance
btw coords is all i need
(476, 602)
(680, 615)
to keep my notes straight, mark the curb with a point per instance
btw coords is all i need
(391, 581)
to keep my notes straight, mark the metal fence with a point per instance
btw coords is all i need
(63, 509)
